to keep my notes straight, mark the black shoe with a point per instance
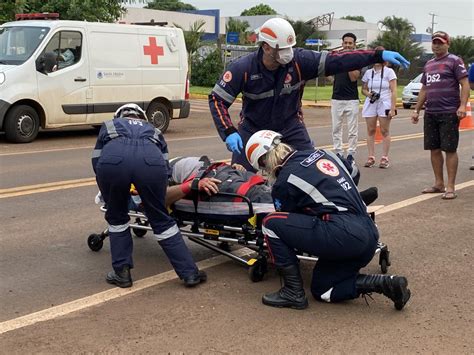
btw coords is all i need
(391, 286)
(121, 279)
(292, 293)
(195, 279)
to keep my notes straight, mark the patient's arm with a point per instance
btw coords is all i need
(177, 192)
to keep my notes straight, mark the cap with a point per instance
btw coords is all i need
(440, 35)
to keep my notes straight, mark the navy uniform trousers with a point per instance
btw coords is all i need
(343, 243)
(125, 161)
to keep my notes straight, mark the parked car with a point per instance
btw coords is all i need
(411, 91)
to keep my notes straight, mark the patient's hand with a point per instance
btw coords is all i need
(238, 167)
(209, 185)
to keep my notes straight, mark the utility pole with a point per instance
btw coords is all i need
(432, 22)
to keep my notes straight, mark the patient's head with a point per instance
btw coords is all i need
(182, 168)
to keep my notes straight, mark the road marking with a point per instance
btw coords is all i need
(108, 295)
(47, 187)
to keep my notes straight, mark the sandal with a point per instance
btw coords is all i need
(370, 162)
(384, 163)
(450, 195)
(433, 190)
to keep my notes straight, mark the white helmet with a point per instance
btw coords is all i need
(259, 144)
(277, 32)
(128, 110)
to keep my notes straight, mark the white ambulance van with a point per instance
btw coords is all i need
(56, 73)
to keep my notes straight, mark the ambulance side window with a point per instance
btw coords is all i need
(63, 50)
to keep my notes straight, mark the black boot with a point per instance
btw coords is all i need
(121, 279)
(195, 279)
(292, 293)
(369, 195)
(391, 286)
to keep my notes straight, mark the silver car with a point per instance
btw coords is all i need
(411, 91)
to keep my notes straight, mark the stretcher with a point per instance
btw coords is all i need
(220, 225)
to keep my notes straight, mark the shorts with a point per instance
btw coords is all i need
(441, 131)
(378, 108)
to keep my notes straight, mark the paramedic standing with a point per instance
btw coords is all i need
(345, 102)
(320, 212)
(445, 107)
(272, 80)
(129, 150)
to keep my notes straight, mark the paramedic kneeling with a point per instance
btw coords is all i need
(320, 212)
(131, 150)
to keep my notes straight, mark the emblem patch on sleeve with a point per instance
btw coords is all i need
(327, 167)
(227, 76)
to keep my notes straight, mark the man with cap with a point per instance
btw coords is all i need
(272, 81)
(445, 106)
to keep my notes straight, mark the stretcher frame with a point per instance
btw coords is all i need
(219, 238)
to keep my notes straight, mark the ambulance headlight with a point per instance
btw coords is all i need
(2, 78)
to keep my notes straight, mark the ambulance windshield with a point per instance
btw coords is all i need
(17, 43)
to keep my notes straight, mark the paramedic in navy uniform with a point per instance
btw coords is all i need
(272, 80)
(320, 212)
(131, 150)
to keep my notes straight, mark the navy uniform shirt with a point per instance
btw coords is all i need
(128, 128)
(272, 99)
(317, 182)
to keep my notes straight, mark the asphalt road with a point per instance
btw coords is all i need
(47, 212)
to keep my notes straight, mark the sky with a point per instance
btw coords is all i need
(453, 16)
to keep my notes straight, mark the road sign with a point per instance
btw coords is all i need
(314, 42)
(232, 37)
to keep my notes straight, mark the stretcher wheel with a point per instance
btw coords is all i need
(384, 261)
(95, 242)
(139, 232)
(258, 270)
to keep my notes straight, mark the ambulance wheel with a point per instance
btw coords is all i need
(406, 106)
(258, 270)
(159, 115)
(21, 124)
(95, 242)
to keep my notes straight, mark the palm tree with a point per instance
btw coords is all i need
(192, 38)
(241, 27)
(305, 30)
(397, 37)
(463, 47)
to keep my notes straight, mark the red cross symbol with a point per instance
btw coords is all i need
(153, 50)
(328, 167)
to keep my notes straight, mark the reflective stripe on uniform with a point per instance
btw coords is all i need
(326, 296)
(167, 233)
(312, 192)
(111, 130)
(289, 90)
(118, 228)
(322, 63)
(269, 233)
(223, 94)
(263, 95)
(96, 153)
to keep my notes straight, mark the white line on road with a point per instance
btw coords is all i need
(105, 296)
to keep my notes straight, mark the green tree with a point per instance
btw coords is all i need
(397, 37)
(169, 5)
(305, 30)
(81, 10)
(192, 38)
(241, 27)
(260, 9)
(463, 47)
(206, 69)
(354, 18)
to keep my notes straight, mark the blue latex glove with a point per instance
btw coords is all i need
(395, 58)
(234, 142)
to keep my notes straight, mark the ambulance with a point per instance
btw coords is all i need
(56, 73)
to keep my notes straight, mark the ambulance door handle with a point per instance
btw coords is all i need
(80, 79)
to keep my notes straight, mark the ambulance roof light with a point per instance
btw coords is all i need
(37, 16)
